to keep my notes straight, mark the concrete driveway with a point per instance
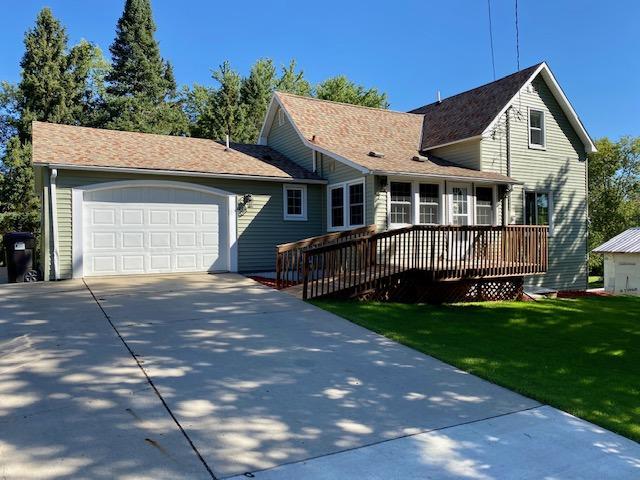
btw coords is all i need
(201, 376)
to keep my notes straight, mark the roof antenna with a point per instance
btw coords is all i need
(438, 96)
(226, 148)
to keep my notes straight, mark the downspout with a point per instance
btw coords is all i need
(54, 222)
(506, 201)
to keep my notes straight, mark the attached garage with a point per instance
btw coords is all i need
(138, 227)
(126, 203)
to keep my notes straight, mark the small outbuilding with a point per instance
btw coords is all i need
(622, 263)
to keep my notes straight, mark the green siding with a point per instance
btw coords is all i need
(560, 169)
(286, 140)
(260, 228)
(466, 154)
(376, 202)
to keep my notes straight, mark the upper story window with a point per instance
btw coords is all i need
(295, 202)
(484, 206)
(400, 212)
(280, 117)
(429, 203)
(536, 129)
(346, 205)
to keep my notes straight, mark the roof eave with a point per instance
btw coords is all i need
(502, 181)
(181, 173)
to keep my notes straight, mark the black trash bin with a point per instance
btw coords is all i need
(19, 248)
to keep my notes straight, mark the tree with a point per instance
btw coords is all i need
(228, 114)
(291, 81)
(614, 192)
(341, 89)
(255, 93)
(141, 91)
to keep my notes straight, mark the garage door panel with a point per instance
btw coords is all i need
(159, 217)
(143, 230)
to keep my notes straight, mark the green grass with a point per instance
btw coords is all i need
(596, 281)
(579, 355)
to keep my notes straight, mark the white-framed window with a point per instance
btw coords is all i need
(345, 205)
(295, 202)
(400, 203)
(428, 203)
(459, 204)
(485, 206)
(538, 208)
(536, 129)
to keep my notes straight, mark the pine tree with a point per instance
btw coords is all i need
(341, 89)
(255, 94)
(228, 114)
(293, 82)
(43, 90)
(141, 92)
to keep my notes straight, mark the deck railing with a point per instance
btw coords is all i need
(446, 252)
(289, 255)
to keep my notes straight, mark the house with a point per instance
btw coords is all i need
(622, 263)
(509, 152)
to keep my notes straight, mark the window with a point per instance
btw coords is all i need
(280, 117)
(538, 208)
(429, 203)
(536, 129)
(346, 205)
(400, 203)
(460, 205)
(484, 206)
(356, 204)
(337, 207)
(295, 202)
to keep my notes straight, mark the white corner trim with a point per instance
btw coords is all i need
(271, 112)
(53, 204)
(286, 216)
(560, 97)
(77, 200)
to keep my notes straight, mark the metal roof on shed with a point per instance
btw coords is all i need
(626, 242)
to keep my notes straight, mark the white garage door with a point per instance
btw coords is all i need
(153, 230)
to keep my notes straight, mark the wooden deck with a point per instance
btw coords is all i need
(442, 253)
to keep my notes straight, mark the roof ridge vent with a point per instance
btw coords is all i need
(375, 154)
(419, 158)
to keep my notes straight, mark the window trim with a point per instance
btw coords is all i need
(419, 203)
(543, 129)
(411, 203)
(415, 200)
(346, 203)
(494, 205)
(549, 194)
(285, 210)
(280, 117)
(471, 220)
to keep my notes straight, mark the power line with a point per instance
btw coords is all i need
(517, 39)
(493, 59)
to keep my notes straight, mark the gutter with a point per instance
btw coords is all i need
(54, 222)
(181, 173)
(447, 177)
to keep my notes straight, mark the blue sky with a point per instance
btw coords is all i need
(409, 49)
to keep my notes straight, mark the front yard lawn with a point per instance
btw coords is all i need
(579, 355)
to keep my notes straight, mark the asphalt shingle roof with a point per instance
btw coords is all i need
(469, 113)
(56, 144)
(352, 131)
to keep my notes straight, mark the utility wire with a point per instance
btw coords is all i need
(493, 58)
(517, 39)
